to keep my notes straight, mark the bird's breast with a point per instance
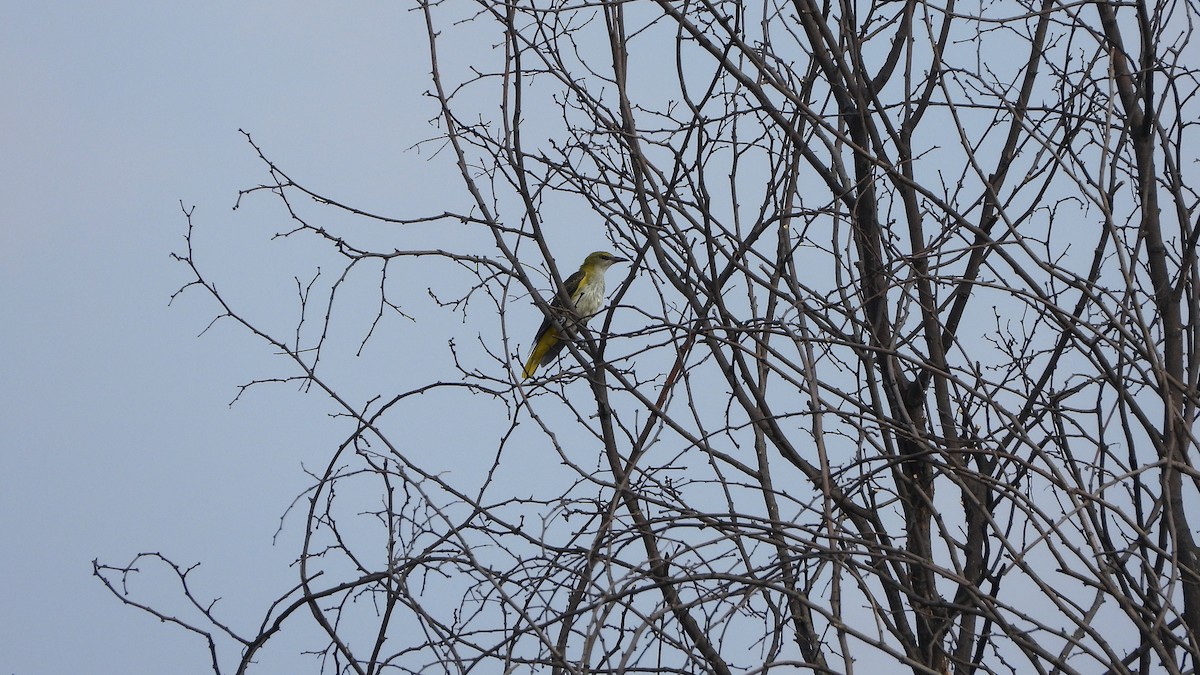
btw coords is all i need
(591, 297)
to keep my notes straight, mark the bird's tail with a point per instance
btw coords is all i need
(531, 365)
(541, 348)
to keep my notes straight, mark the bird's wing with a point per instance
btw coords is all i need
(572, 285)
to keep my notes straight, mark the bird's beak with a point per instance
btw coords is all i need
(617, 260)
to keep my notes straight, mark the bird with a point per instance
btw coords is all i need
(586, 290)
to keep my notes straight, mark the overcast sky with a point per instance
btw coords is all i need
(116, 432)
(116, 429)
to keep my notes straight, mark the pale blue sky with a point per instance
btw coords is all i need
(115, 430)
(116, 433)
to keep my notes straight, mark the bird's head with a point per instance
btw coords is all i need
(601, 261)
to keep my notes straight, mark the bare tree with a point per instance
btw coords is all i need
(903, 372)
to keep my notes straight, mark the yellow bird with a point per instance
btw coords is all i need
(586, 288)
